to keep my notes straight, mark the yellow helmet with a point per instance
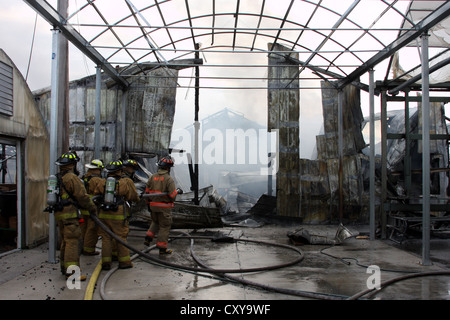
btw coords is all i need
(67, 158)
(114, 166)
(95, 164)
(131, 163)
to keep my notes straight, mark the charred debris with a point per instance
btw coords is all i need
(308, 191)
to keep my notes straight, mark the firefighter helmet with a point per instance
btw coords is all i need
(67, 158)
(131, 163)
(95, 164)
(114, 166)
(165, 162)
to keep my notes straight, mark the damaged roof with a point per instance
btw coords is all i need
(337, 40)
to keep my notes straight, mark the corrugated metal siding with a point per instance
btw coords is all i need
(27, 125)
(150, 111)
(6, 89)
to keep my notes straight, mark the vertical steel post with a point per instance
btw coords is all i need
(21, 238)
(384, 150)
(53, 139)
(63, 86)
(197, 125)
(425, 153)
(407, 161)
(372, 153)
(124, 121)
(98, 94)
(269, 172)
(341, 152)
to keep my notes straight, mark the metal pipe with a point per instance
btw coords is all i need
(341, 153)
(197, 126)
(63, 91)
(372, 153)
(425, 153)
(53, 139)
(407, 161)
(269, 172)
(124, 121)
(383, 162)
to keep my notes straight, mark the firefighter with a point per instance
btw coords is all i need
(114, 215)
(130, 167)
(92, 181)
(161, 206)
(72, 194)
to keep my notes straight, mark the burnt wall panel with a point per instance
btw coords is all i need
(150, 112)
(320, 183)
(283, 115)
(352, 118)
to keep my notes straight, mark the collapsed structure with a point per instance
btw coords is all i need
(312, 189)
(338, 44)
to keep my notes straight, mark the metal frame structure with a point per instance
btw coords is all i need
(114, 43)
(332, 38)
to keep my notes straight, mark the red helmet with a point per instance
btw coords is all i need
(165, 162)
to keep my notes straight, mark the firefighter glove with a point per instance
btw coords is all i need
(93, 211)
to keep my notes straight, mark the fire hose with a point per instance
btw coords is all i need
(223, 273)
(207, 270)
(401, 278)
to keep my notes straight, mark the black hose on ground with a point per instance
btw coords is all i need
(196, 269)
(110, 272)
(300, 293)
(222, 273)
(401, 278)
(344, 260)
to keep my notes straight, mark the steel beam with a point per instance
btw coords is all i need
(427, 23)
(98, 95)
(372, 154)
(383, 162)
(53, 139)
(416, 78)
(56, 20)
(425, 154)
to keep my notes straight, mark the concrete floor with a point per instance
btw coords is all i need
(26, 274)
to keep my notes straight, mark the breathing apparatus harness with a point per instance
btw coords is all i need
(86, 181)
(111, 199)
(55, 199)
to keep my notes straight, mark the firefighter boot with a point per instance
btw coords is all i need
(125, 265)
(106, 266)
(148, 240)
(165, 251)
